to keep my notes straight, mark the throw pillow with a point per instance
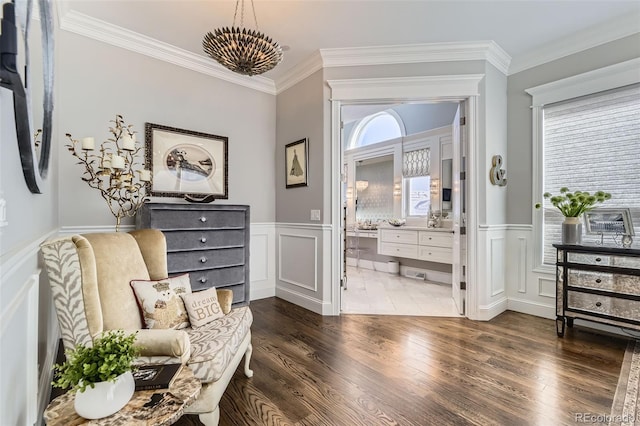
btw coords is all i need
(160, 301)
(202, 306)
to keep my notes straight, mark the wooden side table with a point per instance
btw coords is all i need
(150, 407)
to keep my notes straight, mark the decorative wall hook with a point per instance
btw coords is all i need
(497, 175)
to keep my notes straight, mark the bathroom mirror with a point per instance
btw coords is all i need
(374, 189)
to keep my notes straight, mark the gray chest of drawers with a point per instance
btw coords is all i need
(210, 242)
(599, 284)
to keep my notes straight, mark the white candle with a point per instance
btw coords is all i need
(117, 162)
(88, 144)
(128, 142)
(145, 175)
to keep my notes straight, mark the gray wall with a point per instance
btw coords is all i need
(299, 116)
(30, 219)
(519, 130)
(97, 81)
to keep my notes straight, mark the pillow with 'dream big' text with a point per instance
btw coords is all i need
(160, 301)
(202, 306)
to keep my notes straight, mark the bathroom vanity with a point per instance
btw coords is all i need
(428, 244)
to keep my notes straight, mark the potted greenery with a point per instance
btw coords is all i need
(100, 374)
(572, 205)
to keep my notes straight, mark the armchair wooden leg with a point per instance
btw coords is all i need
(247, 358)
(211, 418)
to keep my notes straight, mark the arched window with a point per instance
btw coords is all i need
(377, 127)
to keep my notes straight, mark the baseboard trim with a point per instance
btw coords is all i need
(532, 308)
(487, 312)
(310, 303)
(262, 293)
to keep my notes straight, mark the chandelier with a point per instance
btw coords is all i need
(241, 50)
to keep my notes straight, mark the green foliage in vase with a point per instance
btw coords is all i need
(573, 204)
(111, 355)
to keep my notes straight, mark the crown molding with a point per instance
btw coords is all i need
(574, 43)
(299, 72)
(114, 35)
(416, 53)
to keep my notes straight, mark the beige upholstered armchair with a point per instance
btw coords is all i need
(90, 278)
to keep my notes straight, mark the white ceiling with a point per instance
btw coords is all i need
(522, 28)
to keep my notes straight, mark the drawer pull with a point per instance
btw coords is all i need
(203, 240)
(203, 280)
(598, 259)
(598, 280)
(203, 219)
(598, 304)
(430, 238)
(203, 259)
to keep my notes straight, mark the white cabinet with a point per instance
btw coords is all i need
(428, 245)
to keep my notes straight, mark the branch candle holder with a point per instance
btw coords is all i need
(114, 171)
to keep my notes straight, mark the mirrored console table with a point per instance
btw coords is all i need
(597, 283)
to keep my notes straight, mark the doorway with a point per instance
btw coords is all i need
(442, 88)
(398, 169)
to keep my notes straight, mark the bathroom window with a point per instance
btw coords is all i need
(417, 182)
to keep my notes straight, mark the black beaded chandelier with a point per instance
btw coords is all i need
(241, 50)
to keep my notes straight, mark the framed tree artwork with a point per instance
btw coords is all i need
(296, 163)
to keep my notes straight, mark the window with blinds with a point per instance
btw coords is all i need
(592, 143)
(415, 171)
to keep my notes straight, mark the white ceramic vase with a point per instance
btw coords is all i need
(105, 398)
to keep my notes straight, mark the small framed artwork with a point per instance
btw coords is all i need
(296, 161)
(185, 163)
(609, 221)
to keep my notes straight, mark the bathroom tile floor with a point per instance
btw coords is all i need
(380, 293)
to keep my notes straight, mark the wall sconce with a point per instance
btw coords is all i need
(397, 189)
(435, 187)
(114, 171)
(361, 185)
(349, 193)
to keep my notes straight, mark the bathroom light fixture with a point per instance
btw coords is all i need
(242, 50)
(361, 185)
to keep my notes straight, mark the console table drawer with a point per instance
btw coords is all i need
(404, 237)
(439, 239)
(612, 306)
(604, 260)
(435, 254)
(400, 250)
(618, 283)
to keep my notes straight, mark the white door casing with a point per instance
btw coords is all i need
(452, 88)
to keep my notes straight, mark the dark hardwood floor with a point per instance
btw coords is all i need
(389, 370)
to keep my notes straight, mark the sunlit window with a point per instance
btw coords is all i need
(376, 128)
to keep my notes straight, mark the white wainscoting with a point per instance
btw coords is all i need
(25, 385)
(263, 260)
(304, 265)
(491, 279)
(529, 292)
